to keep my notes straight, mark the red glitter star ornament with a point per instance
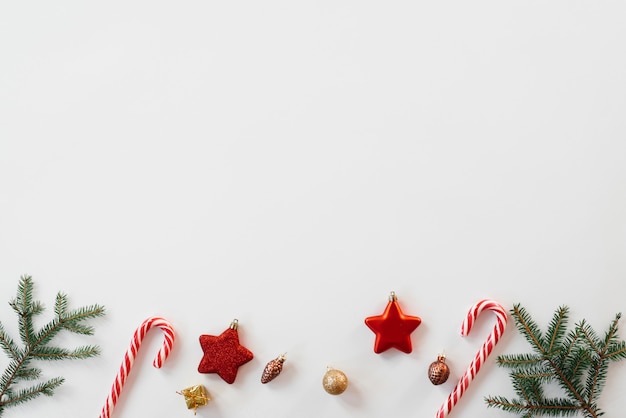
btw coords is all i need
(223, 354)
(393, 328)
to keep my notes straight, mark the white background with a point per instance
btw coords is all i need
(289, 164)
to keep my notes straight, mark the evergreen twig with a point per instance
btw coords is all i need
(577, 361)
(36, 344)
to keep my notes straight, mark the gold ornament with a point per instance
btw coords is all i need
(438, 372)
(195, 396)
(273, 369)
(335, 381)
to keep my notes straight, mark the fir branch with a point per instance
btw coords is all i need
(529, 329)
(575, 367)
(569, 344)
(538, 375)
(590, 335)
(44, 388)
(8, 345)
(36, 344)
(616, 351)
(577, 361)
(595, 380)
(58, 353)
(527, 386)
(557, 329)
(28, 374)
(551, 407)
(521, 361)
(60, 304)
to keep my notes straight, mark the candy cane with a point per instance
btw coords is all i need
(131, 353)
(481, 355)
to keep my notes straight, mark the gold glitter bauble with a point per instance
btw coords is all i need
(335, 382)
(438, 372)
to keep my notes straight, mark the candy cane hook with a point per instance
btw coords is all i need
(481, 355)
(131, 353)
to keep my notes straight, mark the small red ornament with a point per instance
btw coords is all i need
(393, 328)
(223, 354)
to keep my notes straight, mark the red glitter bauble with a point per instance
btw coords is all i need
(223, 354)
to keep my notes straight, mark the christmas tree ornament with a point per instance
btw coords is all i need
(19, 382)
(223, 354)
(438, 371)
(273, 369)
(576, 360)
(481, 355)
(335, 381)
(195, 397)
(131, 353)
(393, 328)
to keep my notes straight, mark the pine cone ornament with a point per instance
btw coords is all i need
(438, 372)
(273, 369)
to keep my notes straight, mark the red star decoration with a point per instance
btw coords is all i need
(223, 354)
(393, 328)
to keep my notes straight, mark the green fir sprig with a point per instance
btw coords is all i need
(576, 360)
(19, 382)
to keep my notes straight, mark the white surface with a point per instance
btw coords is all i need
(289, 165)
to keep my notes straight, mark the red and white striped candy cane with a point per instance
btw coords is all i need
(481, 355)
(131, 353)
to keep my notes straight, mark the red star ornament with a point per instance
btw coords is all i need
(223, 354)
(393, 328)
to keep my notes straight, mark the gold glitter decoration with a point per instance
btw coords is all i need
(335, 381)
(195, 397)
